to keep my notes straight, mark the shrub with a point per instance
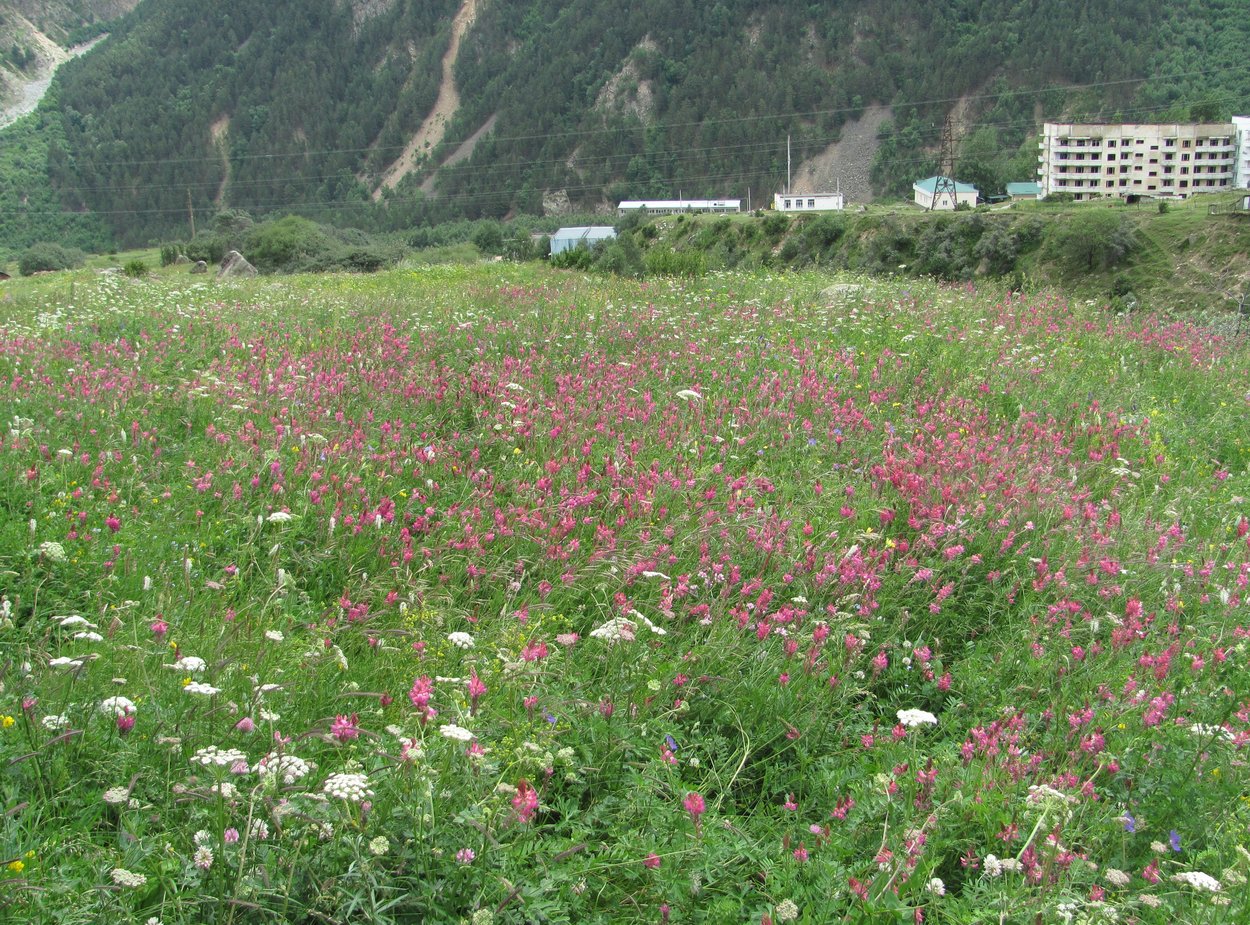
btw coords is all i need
(170, 252)
(48, 256)
(661, 262)
(208, 248)
(135, 269)
(286, 243)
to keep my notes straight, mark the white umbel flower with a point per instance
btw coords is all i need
(913, 718)
(460, 640)
(452, 731)
(351, 787)
(287, 768)
(117, 706)
(212, 756)
(123, 877)
(1198, 880)
(786, 911)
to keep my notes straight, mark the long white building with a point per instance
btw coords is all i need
(677, 206)
(1173, 160)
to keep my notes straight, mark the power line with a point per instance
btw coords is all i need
(603, 162)
(844, 110)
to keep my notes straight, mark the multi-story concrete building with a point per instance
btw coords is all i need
(1174, 160)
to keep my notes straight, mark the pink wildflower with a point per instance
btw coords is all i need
(344, 728)
(696, 808)
(651, 861)
(476, 690)
(526, 801)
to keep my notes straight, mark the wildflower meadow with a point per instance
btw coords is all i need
(498, 594)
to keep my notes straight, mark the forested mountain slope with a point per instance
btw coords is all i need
(289, 105)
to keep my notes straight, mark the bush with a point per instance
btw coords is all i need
(135, 269)
(661, 262)
(170, 253)
(208, 248)
(286, 243)
(48, 256)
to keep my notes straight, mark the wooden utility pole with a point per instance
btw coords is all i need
(191, 212)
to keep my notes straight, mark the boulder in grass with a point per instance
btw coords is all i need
(235, 264)
(199, 267)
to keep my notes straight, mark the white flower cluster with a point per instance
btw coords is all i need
(211, 755)
(68, 663)
(280, 517)
(69, 622)
(1041, 793)
(460, 640)
(1198, 880)
(459, 733)
(913, 718)
(353, 787)
(287, 768)
(619, 628)
(123, 877)
(1117, 878)
(996, 867)
(786, 911)
(116, 796)
(1202, 729)
(191, 663)
(117, 706)
(52, 551)
(203, 690)
(936, 887)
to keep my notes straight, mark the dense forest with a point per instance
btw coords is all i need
(193, 106)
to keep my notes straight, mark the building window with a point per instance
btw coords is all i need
(787, 205)
(811, 203)
(1184, 184)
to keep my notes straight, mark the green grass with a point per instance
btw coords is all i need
(1020, 514)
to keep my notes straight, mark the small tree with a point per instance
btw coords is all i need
(1091, 240)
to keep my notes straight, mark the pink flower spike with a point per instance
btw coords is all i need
(696, 808)
(651, 861)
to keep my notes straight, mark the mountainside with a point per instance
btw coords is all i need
(35, 36)
(389, 112)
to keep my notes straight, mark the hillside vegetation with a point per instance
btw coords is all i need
(302, 106)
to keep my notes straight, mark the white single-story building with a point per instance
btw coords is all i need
(675, 206)
(925, 190)
(584, 236)
(808, 202)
